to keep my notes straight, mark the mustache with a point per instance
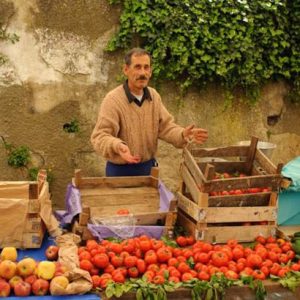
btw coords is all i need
(142, 77)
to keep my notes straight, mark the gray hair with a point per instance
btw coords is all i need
(137, 52)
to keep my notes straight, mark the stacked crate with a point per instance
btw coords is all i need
(214, 209)
(102, 197)
(32, 194)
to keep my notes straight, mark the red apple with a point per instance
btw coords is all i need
(22, 289)
(40, 287)
(52, 252)
(4, 288)
(31, 279)
(15, 280)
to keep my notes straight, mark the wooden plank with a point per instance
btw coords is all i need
(237, 214)
(150, 200)
(193, 167)
(83, 219)
(188, 206)
(225, 166)
(154, 172)
(115, 182)
(77, 178)
(33, 190)
(257, 199)
(228, 184)
(265, 162)
(190, 183)
(226, 214)
(209, 172)
(221, 234)
(119, 191)
(229, 151)
(251, 154)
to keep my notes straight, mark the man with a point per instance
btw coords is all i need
(132, 118)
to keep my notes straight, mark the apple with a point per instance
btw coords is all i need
(31, 279)
(7, 269)
(14, 280)
(40, 287)
(4, 288)
(22, 289)
(26, 266)
(46, 269)
(58, 283)
(52, 252)
(9, 253)
(60, 269)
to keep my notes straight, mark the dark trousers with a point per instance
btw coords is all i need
(141, 169)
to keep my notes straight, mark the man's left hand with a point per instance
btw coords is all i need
(197, 135)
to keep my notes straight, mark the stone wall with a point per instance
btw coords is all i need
(59, 72)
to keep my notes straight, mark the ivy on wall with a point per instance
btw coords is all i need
(240, 43)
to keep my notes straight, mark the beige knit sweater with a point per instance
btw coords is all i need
(139, 127)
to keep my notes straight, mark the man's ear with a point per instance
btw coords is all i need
(125, 69)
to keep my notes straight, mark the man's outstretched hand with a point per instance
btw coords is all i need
(127, 156)
(197, 135)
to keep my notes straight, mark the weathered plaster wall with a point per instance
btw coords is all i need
(59, 71)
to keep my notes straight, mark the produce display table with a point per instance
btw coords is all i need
(39, 254)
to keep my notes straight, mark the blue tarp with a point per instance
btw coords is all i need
(289, 199)
(292, 170)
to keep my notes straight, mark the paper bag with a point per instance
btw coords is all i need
(80, 281)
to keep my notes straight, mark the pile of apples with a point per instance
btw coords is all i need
(28, 276)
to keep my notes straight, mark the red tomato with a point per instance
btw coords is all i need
(145, 245)
(174, 279)
(85, 265)
(186, 276)
(141, 266)
(163, 254)
(258, 274)
(118, 277)
(123, 211)
(101, 260)
(158, 279)
(231, 274)
(183, 267)
(96, 279)
(203, 276)
(254, 260)
(117, 261)
(130, 261)
(219, 259)
(190, 240)
(133, 272)
(150, 257)
(181, 241)
(201, 257)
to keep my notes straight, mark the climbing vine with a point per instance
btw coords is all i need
(20, 157)
(239, 43)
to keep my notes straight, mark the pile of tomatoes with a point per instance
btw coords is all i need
(158, 262)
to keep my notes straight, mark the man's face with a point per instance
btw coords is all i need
(138, 72)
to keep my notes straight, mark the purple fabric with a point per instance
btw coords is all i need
(102, 232)
(165, 197)
(73, 204)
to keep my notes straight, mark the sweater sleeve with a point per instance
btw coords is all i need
(169, 131)
(104, 137)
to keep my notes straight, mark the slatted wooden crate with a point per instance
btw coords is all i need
(211, 216)
(28, 196)
(103, 196)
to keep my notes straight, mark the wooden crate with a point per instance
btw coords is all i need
(103, 196)
(28, 195)
(200, 165)
(210, 215)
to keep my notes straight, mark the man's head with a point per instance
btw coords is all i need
(137, 68)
